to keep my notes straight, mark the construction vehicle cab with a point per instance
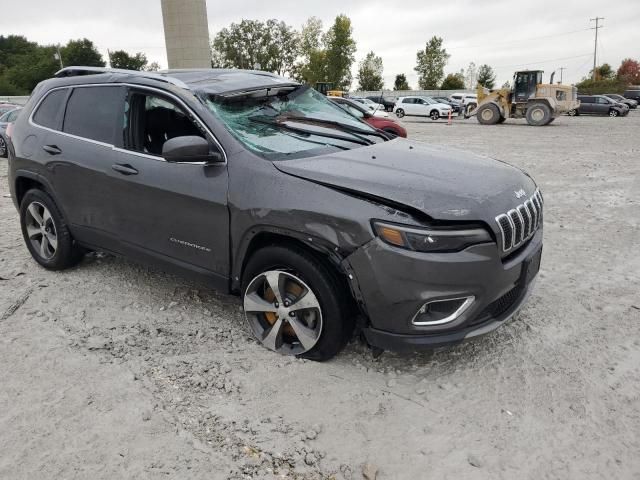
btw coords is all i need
(540, 103)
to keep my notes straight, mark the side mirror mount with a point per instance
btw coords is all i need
(189, 149)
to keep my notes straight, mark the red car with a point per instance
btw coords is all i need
(381, 121)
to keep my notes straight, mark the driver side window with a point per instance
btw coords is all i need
(151, 120)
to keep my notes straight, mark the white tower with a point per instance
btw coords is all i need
(186, 33)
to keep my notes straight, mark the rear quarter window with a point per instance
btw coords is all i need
(93, 112)
(49, 112)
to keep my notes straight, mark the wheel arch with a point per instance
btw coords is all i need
(331, 256)
(26, 180)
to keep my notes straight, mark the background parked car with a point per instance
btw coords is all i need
(5, 107)
(388, 102)
(363, 113)
(5, 119)
(369, 104)
(421, 107)
(454, 104)
(599, 105)
(620, 99)
(633, 94)
(470, 100)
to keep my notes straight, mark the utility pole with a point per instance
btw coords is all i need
(562, 69)
(595, 48)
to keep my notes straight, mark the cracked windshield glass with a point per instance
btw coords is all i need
(292, 122)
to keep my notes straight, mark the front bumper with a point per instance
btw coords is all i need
(394, 284)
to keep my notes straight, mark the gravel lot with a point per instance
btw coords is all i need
(112, 370)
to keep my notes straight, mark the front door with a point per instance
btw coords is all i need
(176, 211)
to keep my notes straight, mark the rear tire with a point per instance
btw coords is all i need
(573, 113)
(46, 233)
(399, 113)
(488, 114)
(3, 147)
(538, 114)
(296, 265)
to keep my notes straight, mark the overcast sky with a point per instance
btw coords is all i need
(505, 34)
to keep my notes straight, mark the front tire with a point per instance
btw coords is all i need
(538, 114)
(613, 113)
(46, 233)
(3, 147)
(434, 115)
(294, 304)
(573, 113)
(399, 113)
(488, 114)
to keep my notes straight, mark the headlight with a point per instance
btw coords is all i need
(430, 239)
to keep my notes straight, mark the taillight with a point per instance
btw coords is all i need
(9, 129)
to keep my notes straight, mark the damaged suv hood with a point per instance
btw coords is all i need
(443, 183)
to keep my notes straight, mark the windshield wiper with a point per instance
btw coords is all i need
(270, 121)
(343, 126)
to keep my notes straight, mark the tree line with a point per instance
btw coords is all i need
(23, 64)
(310, 55)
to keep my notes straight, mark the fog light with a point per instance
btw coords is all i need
(439, 312)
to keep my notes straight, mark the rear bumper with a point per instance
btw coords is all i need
(394, 284)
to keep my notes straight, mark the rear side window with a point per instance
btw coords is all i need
(92, 112)
(49, 113)
(408, 100)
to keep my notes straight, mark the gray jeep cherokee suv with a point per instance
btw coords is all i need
(259, 186)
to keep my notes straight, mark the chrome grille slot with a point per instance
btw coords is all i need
(520, 223)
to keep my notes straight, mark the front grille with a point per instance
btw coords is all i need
(519, 224)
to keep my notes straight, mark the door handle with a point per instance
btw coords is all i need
(124, 169)
(52, 149)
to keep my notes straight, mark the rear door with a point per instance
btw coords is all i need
(409, 106)
(602, 105)
(176, 211)
(587, 104)
(80, 154)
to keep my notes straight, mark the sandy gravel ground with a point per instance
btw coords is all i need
(112, 370)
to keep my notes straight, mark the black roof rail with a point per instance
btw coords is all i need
(76, 71)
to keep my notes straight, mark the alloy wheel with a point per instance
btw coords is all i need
(613, 113)
(283, 312)
(3, 148)
(41, 230)
(434, 115)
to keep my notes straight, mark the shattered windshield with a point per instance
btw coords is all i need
(293, 122)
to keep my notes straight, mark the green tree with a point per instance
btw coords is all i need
(340, 49)
(453, 81)
(370, 73)
(430, 64)
(271, 46)
(486, 76)
(604, 71)
(312, 66)
(121, 59)
(401, 83)
(81, 52)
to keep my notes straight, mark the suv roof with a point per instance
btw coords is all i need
(208, 80)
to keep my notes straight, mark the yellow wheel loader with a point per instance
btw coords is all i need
(540, 103)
